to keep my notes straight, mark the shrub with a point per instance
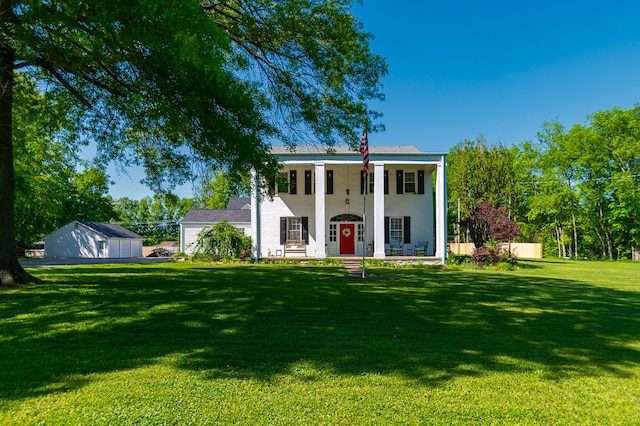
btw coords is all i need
(223, 241)
(489, 255)
(458, 259)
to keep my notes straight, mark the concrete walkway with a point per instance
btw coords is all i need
(353, 267)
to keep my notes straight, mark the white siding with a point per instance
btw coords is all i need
(136, 248)
(74, 241)
(189, 236)
(114, 249)
(125, 248)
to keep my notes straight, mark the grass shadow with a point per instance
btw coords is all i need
(428, 325)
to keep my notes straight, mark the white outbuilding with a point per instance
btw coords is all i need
(237, 214)
(83, 239)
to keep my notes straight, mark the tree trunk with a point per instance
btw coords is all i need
(605, 233)
(575, 234)
(11, 272)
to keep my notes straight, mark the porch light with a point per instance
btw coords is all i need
(348, 192)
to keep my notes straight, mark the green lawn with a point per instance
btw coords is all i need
(554, 342)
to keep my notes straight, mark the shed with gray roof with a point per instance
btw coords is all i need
(237, 214)
(85, 239)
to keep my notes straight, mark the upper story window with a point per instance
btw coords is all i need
(410, 182)
(283, 182)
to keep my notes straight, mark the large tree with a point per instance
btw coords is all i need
(53, 185)
(161, 83)
(478, 173)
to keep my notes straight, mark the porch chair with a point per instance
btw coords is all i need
(420, 248)
(396, 250)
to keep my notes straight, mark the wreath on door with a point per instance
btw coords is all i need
(346, 232)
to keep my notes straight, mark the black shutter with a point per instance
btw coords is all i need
(305, 229)
(420, 181)
(407, 230)
(399, 182)
(283, 230)
(386, 181)
(386, 230)
(307, 181)
(293, 180)
(363, 182)
(329, 181)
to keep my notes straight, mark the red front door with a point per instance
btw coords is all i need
(347, 238)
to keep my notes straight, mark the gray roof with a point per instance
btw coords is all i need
(237, 203)
(215, 216)
(111, 230)
(309, 149)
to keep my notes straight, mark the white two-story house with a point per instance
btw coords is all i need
(319, 203)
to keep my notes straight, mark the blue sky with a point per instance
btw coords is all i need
(500, 69)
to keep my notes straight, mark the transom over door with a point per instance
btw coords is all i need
(347, 238)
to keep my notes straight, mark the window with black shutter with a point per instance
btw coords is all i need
(329, 181)
(399, 182)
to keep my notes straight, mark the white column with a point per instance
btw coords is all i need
(320, 212)
(378, 210)
(429, 213)
(256, 250)
(441, 210)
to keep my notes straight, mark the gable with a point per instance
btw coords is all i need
(239, 203)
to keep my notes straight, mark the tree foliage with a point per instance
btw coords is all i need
(53, 186)
(163, 83)
(577, 190)
(589, 184)
(216, 189)
(223, 241)
(478, 173)
(155, 218)
(489, 223)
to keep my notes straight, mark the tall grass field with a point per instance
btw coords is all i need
(553, 342)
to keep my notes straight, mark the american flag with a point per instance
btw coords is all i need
(364, 150)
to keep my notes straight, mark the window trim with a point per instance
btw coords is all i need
(409, 180)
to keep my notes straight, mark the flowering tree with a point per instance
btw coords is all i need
(491, 224)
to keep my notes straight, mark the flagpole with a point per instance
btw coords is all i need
(364, 224)
(364, 150)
